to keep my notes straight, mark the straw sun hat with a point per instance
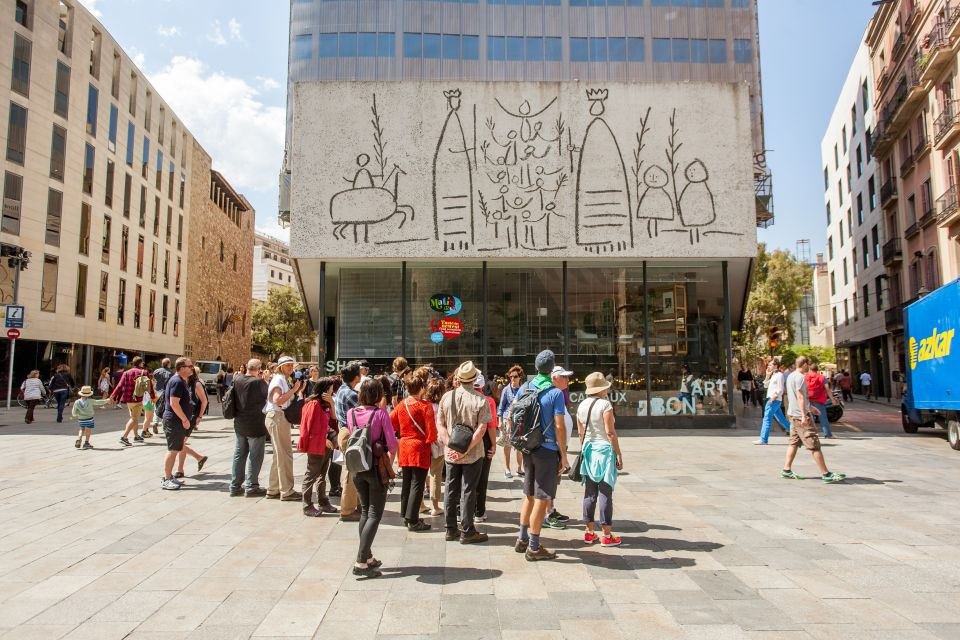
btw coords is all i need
(596, 383)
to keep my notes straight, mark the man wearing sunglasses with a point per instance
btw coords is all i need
(177, 412)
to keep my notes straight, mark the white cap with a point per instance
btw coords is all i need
(560, 371)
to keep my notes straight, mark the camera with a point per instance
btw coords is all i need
(299, 375)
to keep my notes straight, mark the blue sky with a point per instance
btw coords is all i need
(222, 66)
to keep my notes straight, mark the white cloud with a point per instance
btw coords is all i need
(267, 84)
(91, 6)
(234, 26)
(136, 55)
(273, 230)
(243, 135)
(168, 32)
(217, 36)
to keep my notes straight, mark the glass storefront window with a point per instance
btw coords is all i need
(444, 339)
(368, 313)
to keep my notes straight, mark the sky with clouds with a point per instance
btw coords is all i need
(222, 67)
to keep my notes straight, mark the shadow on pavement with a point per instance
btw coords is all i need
(441, 575)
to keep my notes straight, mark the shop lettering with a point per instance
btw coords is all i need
(614, 396)
(446, 304)
(333, 366)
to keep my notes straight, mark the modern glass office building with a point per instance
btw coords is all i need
(507, 121)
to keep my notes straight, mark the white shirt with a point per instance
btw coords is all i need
(865, 378)
(278, 381)
(595, 429)
(32, 389)
(775, 387)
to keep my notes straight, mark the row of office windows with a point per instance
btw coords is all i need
(693, 4)
(520, 48)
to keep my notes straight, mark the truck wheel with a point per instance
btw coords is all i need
(908, 427)
(953, 434)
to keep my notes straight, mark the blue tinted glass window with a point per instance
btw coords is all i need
(718, 51)
(553, 49)
(743, 51)
(660, 3)
(740, 4)
(348, 44)
(534, 2)
(661, 49)
(112, 133)
(615, 3)
(578, 50)
(494, 1)
(551, 3)
(93, 98)
(681, 50)
(680, 3)
(635, 49)
(146, 151)
(598, 49)
(386, 45)
(303, 47)
(514, 2)
(717, 4)
(579, 3)
(496, 48)
(431, 45)
(597, 3)
(634, 3)
(328, 45)
(451, 46)
(412, 44)
(696, 3)
(159, 160)
(130, 136)
(367, 44)
(514, 48)
(534, 49)
(698, 51)
(471, 48)
(617, 49)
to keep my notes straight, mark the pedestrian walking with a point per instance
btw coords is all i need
(464, 417)
(686, 385)
(149, 409)
(802, 431)
(545, 463)
(177, 414)
(161, 376)
(32, 391)
(317, 436)
(414, 420)
(846, 386)
(745, 380)
(817, 392)
(370, 486)
(866, 380)
(249, 426)
(346, 399)
(61, 385)
(103, 383)
(773, 410)
(489, 448)
(313, 381)
(397, 379)
(279, 395)
(199, 402)
(433, 393)
(602, 459)
(516, 377)
(83, 412)
(133, 384)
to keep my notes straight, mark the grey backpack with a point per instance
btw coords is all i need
(359, 455)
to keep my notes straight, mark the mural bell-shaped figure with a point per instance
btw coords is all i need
(453, 182)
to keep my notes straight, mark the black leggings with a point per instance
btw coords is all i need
(373, 497)
(411, 492)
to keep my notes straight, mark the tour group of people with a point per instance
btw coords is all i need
(434, 435)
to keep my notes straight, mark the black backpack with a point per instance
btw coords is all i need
(526, 434)
(229, 404)
(294, 412)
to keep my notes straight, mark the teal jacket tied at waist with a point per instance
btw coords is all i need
(599, 462)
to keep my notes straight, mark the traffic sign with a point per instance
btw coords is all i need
(14, 316)
(13, 334)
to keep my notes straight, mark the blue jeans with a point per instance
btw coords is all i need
(61, 396)
(249, 452)
(824, 421)
(773, 409)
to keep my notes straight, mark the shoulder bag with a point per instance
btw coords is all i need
(380, 456)
(461, 435)
(574, 472)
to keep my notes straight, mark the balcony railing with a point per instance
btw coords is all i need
(893, 317)
(898, 45)
(947, 204)
(911, 231)
(892, 252)
(937, 44)
(888, 192)
(763, 188)
(907, 165)
(952, 14)
(923, 145)
(945, 121)
(927, 216)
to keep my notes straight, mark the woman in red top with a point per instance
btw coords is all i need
(413, 419)
(316, 440)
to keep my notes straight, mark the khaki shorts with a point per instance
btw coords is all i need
(804, 433)
(135, 409)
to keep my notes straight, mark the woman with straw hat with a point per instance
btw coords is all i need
(83, 411)
(602, 459)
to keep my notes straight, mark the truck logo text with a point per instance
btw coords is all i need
(936, 346)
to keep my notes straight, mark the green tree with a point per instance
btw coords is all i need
(779, 282)
(280, 324)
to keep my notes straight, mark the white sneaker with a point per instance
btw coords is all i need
(759, 442)
(507, 475)
(169, 484)
(480, 518)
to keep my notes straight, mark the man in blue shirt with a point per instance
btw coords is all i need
(344, 400)
(546, 463)
(178, 410)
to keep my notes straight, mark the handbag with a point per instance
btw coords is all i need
(574, 472)
(435, 449)
(461, 435)
(381, 459)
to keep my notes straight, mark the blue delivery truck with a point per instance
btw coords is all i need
(932, 397)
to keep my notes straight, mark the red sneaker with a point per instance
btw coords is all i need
(590, 537)
(610, 541)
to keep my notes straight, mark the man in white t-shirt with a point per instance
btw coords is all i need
(865, 381)
(279, 395)
(773, 410)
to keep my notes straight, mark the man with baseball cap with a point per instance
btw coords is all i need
(545, 464)
(463, 406)
(279, 395)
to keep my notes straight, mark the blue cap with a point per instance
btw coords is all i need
(545, 361)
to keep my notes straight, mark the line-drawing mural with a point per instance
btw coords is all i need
(366, 203)
(453, 196)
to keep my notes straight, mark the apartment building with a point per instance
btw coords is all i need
(271, 266)
(101, 186)
(913, 52)
(853, 194)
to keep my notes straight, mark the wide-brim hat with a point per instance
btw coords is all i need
(467, 372)
(286, 360)
(596, 383)
(85, 391)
